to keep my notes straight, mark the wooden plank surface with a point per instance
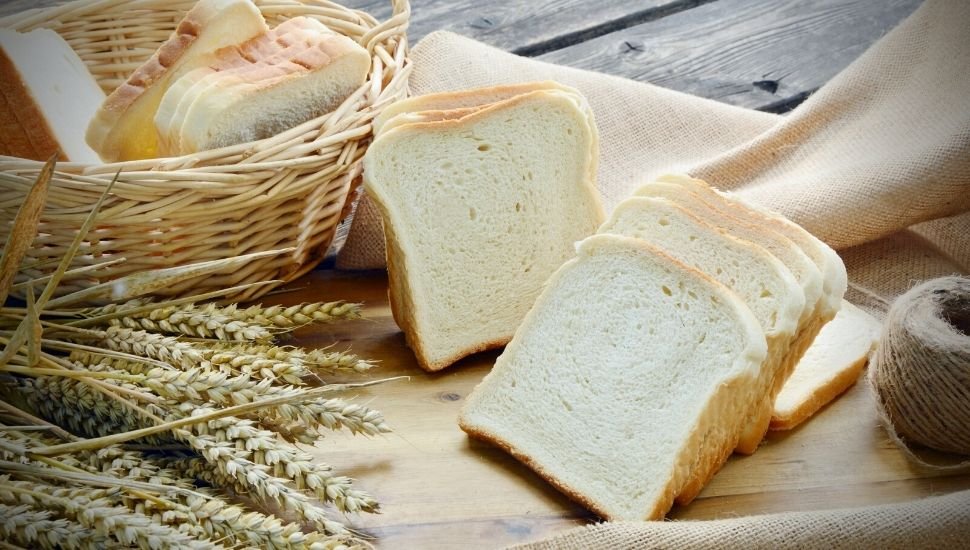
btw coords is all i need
(527, 28)
(439, 489)
(763, 54)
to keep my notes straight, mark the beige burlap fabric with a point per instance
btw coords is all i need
(937, 522)
(881, 148)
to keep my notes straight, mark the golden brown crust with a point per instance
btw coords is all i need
(103, 127)
(819, 398)
(27, 114)
(488, 437)
(752, 437)
(184, 35)
(703, 467)
(477, 97)
(13, 140)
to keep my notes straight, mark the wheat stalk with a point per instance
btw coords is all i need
(263, 448)
(155, 346)
(206, 376)
(99, 511)
(32, 528)
(227, 465)
(75, 405)
(189, 320)
(294, 316)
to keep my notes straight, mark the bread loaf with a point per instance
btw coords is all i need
(295, 73)
(478, 212)
(123, 128)
(631, 372)
(264, 49)
(47, 96)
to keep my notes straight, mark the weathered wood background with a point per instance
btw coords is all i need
(762, 54)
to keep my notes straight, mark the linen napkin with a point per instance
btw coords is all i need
(876, 163)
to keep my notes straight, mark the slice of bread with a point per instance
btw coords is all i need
(631, 372)
(831, 365)
(805, 269)
(426, 116)
(47, 97)
(765, 284)
(478, 212)
(123, 128)
(834, 277)
(476, 97)
(278, 45)
(316, 71)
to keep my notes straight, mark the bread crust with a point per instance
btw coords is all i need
(822, 396)
(13, 139)
(125, 95)
(477, 97)
(752, 437)
(24, 114)
(311, 50)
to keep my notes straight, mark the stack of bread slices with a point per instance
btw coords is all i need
(659, 350)
(223, 78)
(483, 194)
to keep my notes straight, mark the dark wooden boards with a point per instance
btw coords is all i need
(526, 27)
(765, 54)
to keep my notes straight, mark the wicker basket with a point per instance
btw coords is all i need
(286, 192)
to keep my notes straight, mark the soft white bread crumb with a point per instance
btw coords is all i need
(818, 267)
(805, 269)
(478, 212)
(630, 372)
(765, 284)
(829, 367)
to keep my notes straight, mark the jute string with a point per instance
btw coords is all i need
(921, 369)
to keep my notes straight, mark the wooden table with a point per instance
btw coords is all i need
(441, 490)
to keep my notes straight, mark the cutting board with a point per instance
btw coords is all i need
(439, 489)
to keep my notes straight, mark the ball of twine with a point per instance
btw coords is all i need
(921, 368)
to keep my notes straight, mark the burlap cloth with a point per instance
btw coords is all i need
(937, 522)
(876, 163)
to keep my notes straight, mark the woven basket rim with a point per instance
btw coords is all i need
(198, 163)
